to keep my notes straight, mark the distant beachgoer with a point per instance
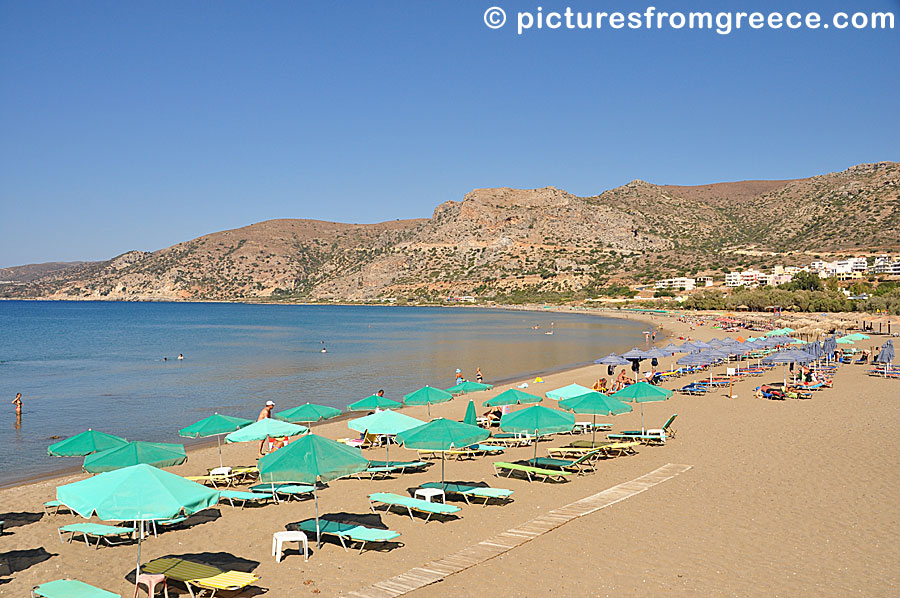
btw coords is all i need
(265, 414)
(165, 358)
(459, 376)
(478, 377)
(380, 393)
(18, 403)
(180, 357)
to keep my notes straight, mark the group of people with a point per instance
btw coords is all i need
(621, 381)
(479, 377)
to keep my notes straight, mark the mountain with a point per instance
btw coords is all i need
(505, 242)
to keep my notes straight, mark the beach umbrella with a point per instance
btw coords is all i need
(442, 435)
(858, 336)
(158, 454)
(595, 403)
(214, 425)
(567, 392)
(787, 356)
(373, 402)
(309, 460)
(467, 387)
(471, 417)
(307, 413)
(688, 347)
(537, 420)
(613, 360)
(829, 346)
(844, 340)
(266, 428)
(428, 395)
(85, 443)
(886, 355)
(137, 493)
(635, 353)
(672, 348)
(642, 392)
(701, 345)
(387, 423)
(513, 396)
(715, 343)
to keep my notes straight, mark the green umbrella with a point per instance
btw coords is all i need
(858, 336)
(426, 396)
(567, 392)
(513, 396)
(442, 435)
(467, 387)
(158, 454)
(80, 445)
(387, 422)
(594, 403)
(471, 417)
(845, 341)
(307, 413)
(136, 493)
(266, 428)
(642, 392)
(215, 425)
(537, 420)
(309, 460)
(373, 402)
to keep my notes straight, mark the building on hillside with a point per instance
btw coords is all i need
(733, 279)
(703, 281)
(461, 299)
(675, 284)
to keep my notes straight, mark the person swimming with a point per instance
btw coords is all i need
(180, 357)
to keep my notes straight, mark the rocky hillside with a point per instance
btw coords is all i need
(499, 242)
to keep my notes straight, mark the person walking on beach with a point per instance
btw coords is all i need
(478, 377)
(265, 414)
(18, 403)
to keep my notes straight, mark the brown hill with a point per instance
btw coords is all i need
(499, 242)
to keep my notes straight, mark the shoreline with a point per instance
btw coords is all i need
(195, 445)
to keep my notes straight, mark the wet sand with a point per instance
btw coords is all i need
(783, 499)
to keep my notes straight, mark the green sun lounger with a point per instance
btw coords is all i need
(69, 588)
(104, 533)
(411, 504)
(667, 429)
(659, 438)
(467, 491)
(200, 575)
(244, 497)
(382, 469)
(530, 472)
(579, 465)
(56, 505)
(346, 531)
(288, 490)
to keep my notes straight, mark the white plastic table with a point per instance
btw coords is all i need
(429, 493)
(279, 538)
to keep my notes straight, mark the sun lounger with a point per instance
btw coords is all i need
(200, 576)
(579, 465)
(546, 474)
(346, 531)
(368, 441)
(381, 469)
(244, 497)
(215, 479)
(110, 534)
(69, 588)
(285, 490)
(56, 506)
(411, 504)
(649, 437)
(466, 491)
(667, 428)
(694, 388)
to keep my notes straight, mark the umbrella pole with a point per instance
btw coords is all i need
(387, 449)
(318, 530)
(642, 418)
(219, 444)
(137, 569)
(594, 432)
(443, 486)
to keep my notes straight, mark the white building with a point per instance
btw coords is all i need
(733, 279)
(679, 284)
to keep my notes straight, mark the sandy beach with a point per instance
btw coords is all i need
(782, 498)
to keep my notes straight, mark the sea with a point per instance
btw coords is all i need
(114, 367)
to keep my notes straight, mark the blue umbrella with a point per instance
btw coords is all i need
(612, 359)
(829, 346)
(886, 355)
(788, 356)
(635, 354)
(702, 345)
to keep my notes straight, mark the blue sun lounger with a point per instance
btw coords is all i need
(411, 504)
(245, 497)
(346, 531)
(104, 533)
(69, 588)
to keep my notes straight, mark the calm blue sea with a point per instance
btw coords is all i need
(100, 364)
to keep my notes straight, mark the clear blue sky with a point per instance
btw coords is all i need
(136, 125)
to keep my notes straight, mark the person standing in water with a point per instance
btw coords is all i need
(265, 414)
(18, 403)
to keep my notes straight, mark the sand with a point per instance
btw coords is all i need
(782, 499)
